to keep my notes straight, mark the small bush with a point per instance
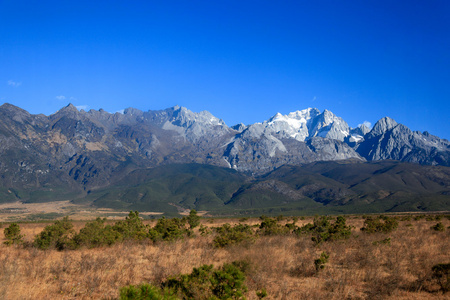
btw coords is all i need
(169, 230)
(146, 291)
(12, 234)
(406, 218)
(323, 230)
(386, 241)
(270, 226)
(441, 272)
(96, 234)
(132, 227)
(193, 219)
(438, 227)
(261, 294)
(57, 235)
(204, 230)
(321, 261)
(420, 217)
(205, 282)
(382, 224)
(227, 235)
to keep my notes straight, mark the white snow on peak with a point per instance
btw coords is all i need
(294, 124)
(307, 123)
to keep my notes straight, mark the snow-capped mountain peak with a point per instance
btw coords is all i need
(304, 124)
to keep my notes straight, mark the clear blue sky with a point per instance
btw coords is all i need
(243, 61)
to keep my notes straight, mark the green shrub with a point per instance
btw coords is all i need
(227, 235)
(270, 226)
(169, 230)
(96, 234)
(438, 227)
(204, 230)
(382, 224)
(430, 218)
(193, 219)
(57, 235)
(339, 230)
(132, 227)
(12, 234)
(321, 261)
(261, 294)
(146, 292)
(227, 282)
(291, 226)
(323, 230)
(386, 241)
(405, 218)
(419, 217)
(441, 272)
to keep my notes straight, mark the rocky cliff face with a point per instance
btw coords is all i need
(390, 140)
(83, 150)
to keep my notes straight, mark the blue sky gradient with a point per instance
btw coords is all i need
(243, 61)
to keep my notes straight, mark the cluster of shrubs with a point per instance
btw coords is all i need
(383, 224)
(322, 229)
(61, 235)
(227, 235)
(205, 282)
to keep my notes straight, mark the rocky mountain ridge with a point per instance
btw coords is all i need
(85, 150)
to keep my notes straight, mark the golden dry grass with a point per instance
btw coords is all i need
(283, 265)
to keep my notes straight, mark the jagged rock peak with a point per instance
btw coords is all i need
(382, 126)
(16, 113)
(69, 107)
(132, 111)
(70, 110)
(13, 109)
(184, 116)
(239, 127)
(363, 129)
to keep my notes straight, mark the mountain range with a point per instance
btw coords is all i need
(74, 154)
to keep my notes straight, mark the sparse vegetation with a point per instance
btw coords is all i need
(407, 264)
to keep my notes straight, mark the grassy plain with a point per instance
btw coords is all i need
(358, 267)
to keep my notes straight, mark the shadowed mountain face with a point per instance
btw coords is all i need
(71, 152)
(320, 187)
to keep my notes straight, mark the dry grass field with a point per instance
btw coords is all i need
(283, 265)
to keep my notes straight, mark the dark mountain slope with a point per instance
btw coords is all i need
(322, 187)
